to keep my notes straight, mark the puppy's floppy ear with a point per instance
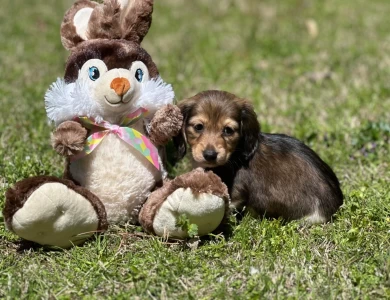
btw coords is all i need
(250, 129)
(180, 141)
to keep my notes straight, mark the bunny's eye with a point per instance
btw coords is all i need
(93, 73)
(139, 75)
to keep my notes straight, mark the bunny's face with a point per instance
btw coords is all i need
(114, 77)
(114, 88)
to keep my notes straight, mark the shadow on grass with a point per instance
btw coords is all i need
(23, 246)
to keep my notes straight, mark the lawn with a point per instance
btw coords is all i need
(317, 70)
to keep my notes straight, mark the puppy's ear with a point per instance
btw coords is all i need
(250, 129)
(180, 141)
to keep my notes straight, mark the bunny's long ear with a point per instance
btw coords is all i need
(105, 21)
(112, 19)
(136, 19)
(74, 27)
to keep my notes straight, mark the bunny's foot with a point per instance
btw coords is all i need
(196, 198)
(53, 212)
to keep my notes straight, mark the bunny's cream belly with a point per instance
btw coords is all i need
(119, 175)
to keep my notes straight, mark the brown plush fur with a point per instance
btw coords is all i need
(108, 21)
(69, 37)
(69, 138)
(108, 51)
(136, 20)
(197, 180)
(150, 208)
(275, 175)
(166, 123)
(105, 21)
(22, 190)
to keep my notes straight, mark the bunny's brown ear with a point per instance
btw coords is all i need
(105, 20)
(75, 24)
(136, 19)
(112, 19)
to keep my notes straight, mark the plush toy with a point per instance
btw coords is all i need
(113, 114)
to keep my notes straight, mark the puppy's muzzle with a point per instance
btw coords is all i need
(210, 155)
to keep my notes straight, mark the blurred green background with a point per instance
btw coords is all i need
(317, 70)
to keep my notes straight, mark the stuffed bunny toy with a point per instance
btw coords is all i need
(113, 115)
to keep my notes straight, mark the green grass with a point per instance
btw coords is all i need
(331, 90)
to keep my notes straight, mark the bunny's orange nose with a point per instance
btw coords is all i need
(120, 85)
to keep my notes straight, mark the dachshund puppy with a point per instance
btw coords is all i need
(274, 175)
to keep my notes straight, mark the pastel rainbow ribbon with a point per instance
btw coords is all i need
(134, 138)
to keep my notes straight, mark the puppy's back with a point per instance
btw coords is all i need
(286, 178)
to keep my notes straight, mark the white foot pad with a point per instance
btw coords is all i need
(206, 211)
(57, 216)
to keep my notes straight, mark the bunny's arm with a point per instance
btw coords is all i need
(69, 138)
(166, 123)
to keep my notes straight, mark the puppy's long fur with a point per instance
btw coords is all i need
(272, 174)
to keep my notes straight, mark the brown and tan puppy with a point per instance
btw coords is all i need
(273, 175)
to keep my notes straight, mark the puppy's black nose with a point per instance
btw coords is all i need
(210, 155)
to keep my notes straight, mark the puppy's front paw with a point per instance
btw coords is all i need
(69, 138)
(165, 124)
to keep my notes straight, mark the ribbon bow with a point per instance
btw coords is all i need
(129, 135)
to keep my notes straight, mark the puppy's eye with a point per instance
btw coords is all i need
(93, 73)
(227, 131)
(198, 128)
